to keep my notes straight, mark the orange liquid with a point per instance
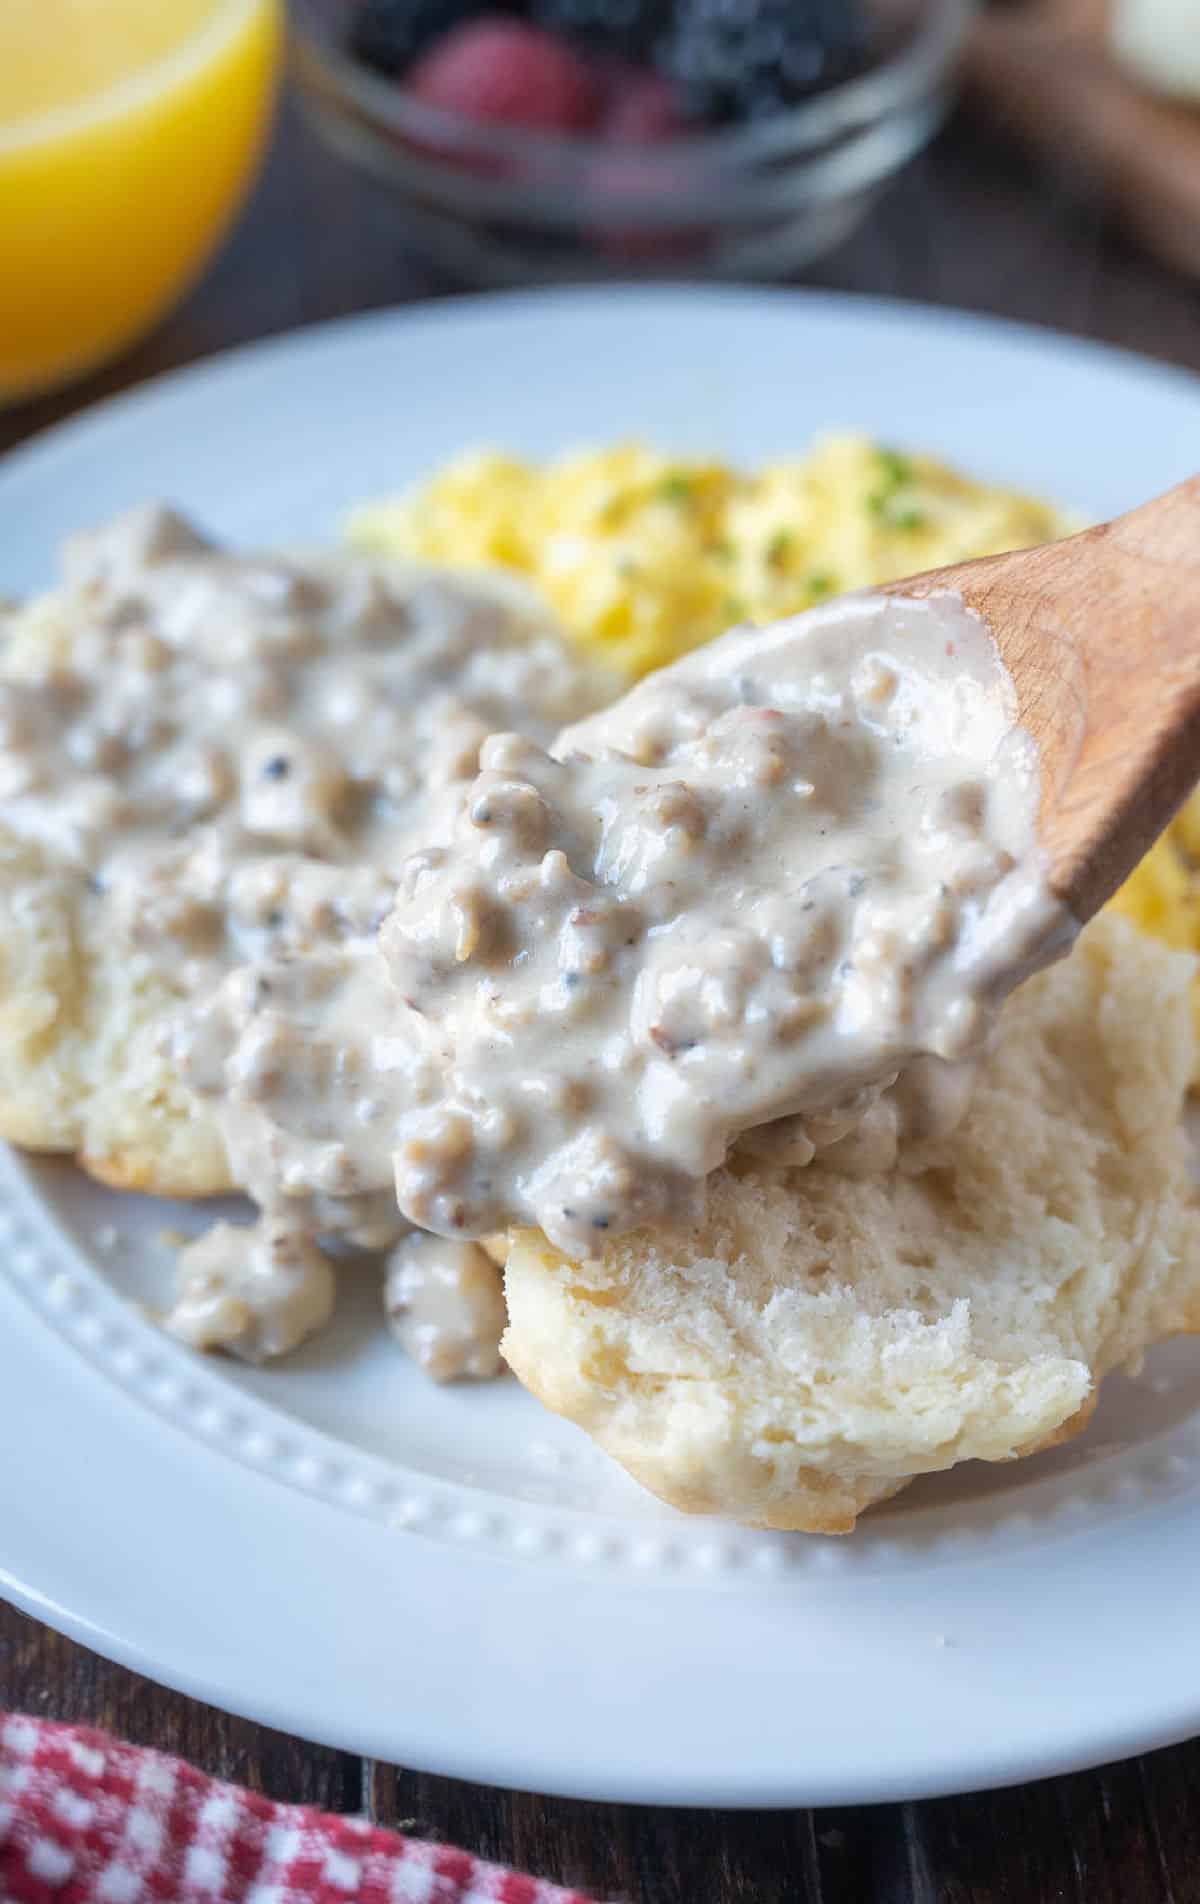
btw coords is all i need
(124, 154)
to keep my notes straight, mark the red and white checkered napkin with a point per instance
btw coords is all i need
(87, 1820)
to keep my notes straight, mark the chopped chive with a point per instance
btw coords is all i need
(676, 488)
(820, 582)
(885, 502)
(778, 546)
(897, 469)
(883, 505)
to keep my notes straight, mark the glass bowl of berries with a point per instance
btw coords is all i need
(554, 139)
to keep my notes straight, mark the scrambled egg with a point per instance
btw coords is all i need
(644, 555)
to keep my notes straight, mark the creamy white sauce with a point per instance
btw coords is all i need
(445, 1306)
(258, 1291)
(228, 756)
(762, 886)
(772, 897)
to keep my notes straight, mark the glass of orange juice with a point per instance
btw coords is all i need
(129, 131)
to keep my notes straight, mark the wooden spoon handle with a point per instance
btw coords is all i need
(1101, 634)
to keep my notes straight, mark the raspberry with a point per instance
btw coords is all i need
(503, 72)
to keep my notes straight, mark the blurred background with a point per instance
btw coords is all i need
(178, 178)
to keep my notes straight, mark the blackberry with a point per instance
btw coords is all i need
(746, 59)
(389, 34)
(621, 29)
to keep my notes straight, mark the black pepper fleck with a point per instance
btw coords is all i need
(277, 768)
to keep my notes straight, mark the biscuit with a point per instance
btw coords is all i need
(81, 1067)
(823, 1339)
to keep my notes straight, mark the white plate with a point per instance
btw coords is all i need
(453, 1579)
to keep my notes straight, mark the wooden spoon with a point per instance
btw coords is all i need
(1101, 635)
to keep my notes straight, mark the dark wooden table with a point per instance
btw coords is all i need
(968, 226)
